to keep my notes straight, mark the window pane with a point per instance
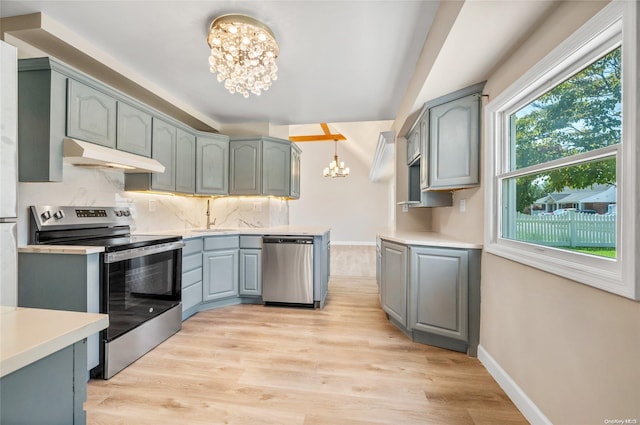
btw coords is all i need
(577, 217)
(581, 114)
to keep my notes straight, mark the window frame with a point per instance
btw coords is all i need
(616, 24)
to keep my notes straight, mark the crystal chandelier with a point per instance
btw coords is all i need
(243, 53)
(336, 168)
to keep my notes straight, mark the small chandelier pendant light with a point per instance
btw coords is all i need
(243, 53)
(336, 168)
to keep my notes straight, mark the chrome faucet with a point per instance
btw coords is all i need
(209, 223)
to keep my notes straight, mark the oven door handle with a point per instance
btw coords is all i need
(114, 257)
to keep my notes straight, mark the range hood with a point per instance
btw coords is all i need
(87, 154)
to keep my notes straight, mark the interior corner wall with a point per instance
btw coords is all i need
(353, 207)
(571, 349)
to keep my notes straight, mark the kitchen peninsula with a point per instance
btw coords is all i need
(39, 351)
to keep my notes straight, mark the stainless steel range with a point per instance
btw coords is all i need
(140, 281)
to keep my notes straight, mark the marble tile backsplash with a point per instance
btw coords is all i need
(151, 212)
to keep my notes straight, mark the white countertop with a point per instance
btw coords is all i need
(30, 334)
(277, 230)
(61, 249)
(427, 239)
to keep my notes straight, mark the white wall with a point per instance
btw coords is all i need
(571, 349)
(354, 207)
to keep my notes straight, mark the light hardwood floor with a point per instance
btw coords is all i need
(345, 364)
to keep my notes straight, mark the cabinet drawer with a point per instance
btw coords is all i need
(190, 262)
(191, 277)
(191, 246)
(221, 242)
(251, 242)
(191, 296)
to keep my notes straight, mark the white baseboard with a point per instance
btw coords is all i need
(526, 406)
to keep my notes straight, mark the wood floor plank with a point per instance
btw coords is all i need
(345, 364)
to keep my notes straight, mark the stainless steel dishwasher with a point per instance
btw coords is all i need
(287, 270)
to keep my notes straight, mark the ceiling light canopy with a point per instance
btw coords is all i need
(243, 53)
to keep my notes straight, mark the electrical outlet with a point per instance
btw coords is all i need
(152, 205)
(463, 205)
(405, 208)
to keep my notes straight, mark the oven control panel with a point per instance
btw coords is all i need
(57, 217)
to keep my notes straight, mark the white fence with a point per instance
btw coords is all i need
(570, 229)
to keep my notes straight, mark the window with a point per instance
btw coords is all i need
(561, 143)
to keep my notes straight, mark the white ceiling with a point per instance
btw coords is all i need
(340, 61)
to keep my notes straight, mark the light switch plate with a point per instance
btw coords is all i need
(405, 208)
(463, 205)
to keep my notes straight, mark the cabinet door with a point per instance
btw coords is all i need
(439, 288)
(163, 149)
(185, 162)
(454, 143)
(413, 144)
(250, 272)
(220, 274)
(91, 115)
(276, 168)
(212, 165)
(134, 130)
(245, 162)
(394, 281)
(424, 148)
(295, 172)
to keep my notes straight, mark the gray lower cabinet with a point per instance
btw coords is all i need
(220, 267)
(91, 115)
(163, 149)
(185, 161)
(62, 282)
(49, 391)
(191, 276)
(212, 164)
(439, 291)
(134, 130)
(250, 265)
(432, 293)
(393, 281)
(251, 272)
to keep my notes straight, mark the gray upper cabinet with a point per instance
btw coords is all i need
(413, 144)
(164, 150)
(42, 94)
(439, 291)
(393, 282)
(295, 171)
(260, 166)
(212, 164)
(134, 130)
(424, 147)
(276, 167)
(91, 115)
(245, 167)
(454, 137)
(185, 161)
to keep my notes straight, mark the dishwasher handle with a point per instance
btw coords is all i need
(300, 240)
